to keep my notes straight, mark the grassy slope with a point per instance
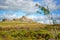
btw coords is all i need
(20, 34)
(20, 24)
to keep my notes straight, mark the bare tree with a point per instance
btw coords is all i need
(47, 13)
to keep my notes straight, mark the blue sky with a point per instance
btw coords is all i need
(16, 8)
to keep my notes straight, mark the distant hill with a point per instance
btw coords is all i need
(22, 19)
(25, 19)
(23, 22)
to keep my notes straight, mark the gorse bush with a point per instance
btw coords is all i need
(24, 34)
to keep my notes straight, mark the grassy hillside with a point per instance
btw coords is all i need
(17, 30)
(20, 24)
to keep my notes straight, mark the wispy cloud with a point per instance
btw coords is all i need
(52, 4)
(25, 5)
(45, 19)
(8, 16)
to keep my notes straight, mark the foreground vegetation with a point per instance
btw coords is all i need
(26, 34)
(27, 31)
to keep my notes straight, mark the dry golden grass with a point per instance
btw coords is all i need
(26, 31)
(8, 24)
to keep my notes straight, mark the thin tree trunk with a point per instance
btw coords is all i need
(54, 30)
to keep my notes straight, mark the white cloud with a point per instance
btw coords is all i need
(45, 22)
(51, 4)
(56, 16)
(9, 16)
(44, 19)
(58, 21)
(58, 7)
(25, 5)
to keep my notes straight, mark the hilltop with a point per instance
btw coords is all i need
(21, 19)
(20, 22)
